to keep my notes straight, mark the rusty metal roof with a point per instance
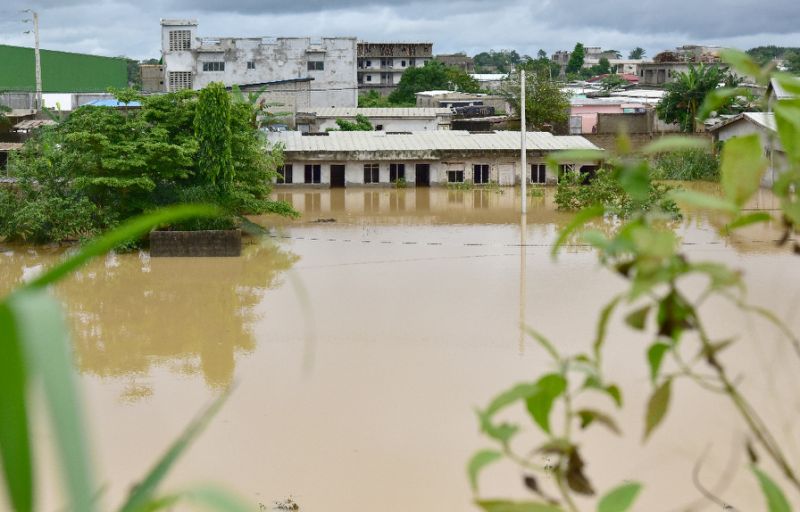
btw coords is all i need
(30, 124)
(10, 146)
(439, 140)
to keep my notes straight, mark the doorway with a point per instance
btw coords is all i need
(423, 177)
(337, 176)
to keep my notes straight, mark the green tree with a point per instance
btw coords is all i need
(603, 67)
(497, 61)
(361, 124)
(545, 103)
(576, 59)
(212, 128)
(637, 53)
(541, 54)
(613, 82)
(373, 99)
(686, 94)
(792, 61)
(433, 75)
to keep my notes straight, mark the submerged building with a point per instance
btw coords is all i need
(342, 159)
(327, 66)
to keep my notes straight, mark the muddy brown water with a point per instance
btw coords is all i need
(361, 337)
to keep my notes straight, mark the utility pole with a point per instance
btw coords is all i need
(524, 142)
(35, 16)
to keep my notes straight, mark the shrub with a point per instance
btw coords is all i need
(688, 165)
(575, 193)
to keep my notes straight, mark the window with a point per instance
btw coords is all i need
(251, 64)
(397, 172)
(455, 176)
(316, 65)
(285, 173)
(538, 173)
(386, 63)
(480, 173)
(313, 174)
(179, 80)
(565, 168)
(371, 173)
(369, 78)
(402, 63)
(214, 66)
(369, 63)
(180, 40)
(412, 63)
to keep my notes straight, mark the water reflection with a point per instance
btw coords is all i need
(131, 313)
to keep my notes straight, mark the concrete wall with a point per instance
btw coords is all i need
(387, 124)
(215, 243)
(270, 60)
(627, 123)
(638, 140)
(503, 170)
(770, 142)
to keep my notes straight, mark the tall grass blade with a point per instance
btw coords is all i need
(45, 340)
(129, 230)
(142, 495)
(15, 446)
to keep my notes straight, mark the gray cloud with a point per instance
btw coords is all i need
(131, 27)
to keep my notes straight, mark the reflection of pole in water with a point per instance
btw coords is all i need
(523, 240)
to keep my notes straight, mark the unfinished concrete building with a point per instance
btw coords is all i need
(329, 63)
(381, 65)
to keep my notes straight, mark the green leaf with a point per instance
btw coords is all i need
(743, 63)
(129, 230)
(602, 327)
(578, 221)
(717, 99)
(595, 238)
(787, 119)
(558, 446)
(519, 392)
(704, 201)
(790, 83)
(776, 501)
(673, 143)
(15, 446)
(578, 155)
(479, 461)
(544, 342)
(589, 416)
(42, 328)
(748, 219)
(635, 181)
(741, 168)
(540, 403)
(655, 355)
(638, 318)
(619, 499)
(144, 492)
(657, 407)
(516, 506)
(614, 392)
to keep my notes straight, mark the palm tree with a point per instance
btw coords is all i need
(686, 94)
(637, 53)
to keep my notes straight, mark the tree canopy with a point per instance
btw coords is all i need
(361, 124)
(103, 165)
(546, 106)
(432, 76)
(501, 61)
(637, 53)
(576, 59)
(687, 92)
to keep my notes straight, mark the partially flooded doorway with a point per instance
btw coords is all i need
(337, 176)
(423, 177)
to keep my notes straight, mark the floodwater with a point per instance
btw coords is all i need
(361, 337)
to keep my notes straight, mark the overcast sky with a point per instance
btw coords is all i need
(131, 27)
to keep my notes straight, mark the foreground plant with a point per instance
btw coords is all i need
(648, 255)
(35, 347)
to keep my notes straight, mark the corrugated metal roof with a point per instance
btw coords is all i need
(439, 140)
(763, 119)
(30, 124)
(378, 112)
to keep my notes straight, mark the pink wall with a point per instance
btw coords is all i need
(589, 112)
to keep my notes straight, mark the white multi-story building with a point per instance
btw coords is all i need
(327, 65)
(381, 65)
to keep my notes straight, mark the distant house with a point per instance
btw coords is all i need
(382, 119)
(609, 115)
(763, 124)
(457, 60)
(489, 81)
(451, 99)
(381, 65)
(343, 159)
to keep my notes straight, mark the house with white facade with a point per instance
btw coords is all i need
(326, 65)
(441, 157)
(763, 124)
(381, 65)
